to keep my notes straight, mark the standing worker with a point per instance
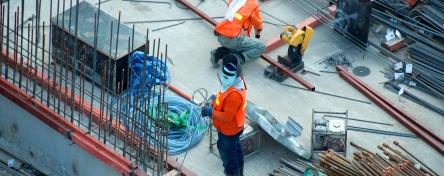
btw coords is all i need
(233, 33)
(228, 113)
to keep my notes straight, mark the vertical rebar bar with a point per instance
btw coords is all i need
(93, 80)
(127, 102)
(110, 61)
(102, 85)
(43, 63)
(30, 66)
(61, 58)
(74, 65)
(7, 41)
(2, 8)
(28, 59)
(21, 44)
(38, 15)
(67, 55)
(56, 42)
(114, 94)
(15, 46)
(48, 90)
(37, 34)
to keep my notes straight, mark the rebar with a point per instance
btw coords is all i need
(366, 163)
(137, 130)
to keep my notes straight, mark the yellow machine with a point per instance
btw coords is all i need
(298, 40)
(297, 37)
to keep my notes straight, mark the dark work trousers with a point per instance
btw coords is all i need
(230, 152)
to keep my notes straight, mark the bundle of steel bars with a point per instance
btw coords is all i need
(438, 3)
(401, 6)
(27, 62)
(366, 163)
(407, 94)
(430, 15)
(428, 66)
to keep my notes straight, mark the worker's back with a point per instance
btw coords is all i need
(244, 19)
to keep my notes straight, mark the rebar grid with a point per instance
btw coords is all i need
(62, 80)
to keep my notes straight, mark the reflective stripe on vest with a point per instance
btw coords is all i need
(241, 18)
(240, 114)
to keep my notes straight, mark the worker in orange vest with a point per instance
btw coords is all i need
(228, 113)
(233, 33)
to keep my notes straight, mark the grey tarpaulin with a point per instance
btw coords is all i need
(275, 129)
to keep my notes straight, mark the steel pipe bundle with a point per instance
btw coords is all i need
(396, 88)
(366, 163)
(430, 15)
(401, 6)
(438, 3)
(428, 67)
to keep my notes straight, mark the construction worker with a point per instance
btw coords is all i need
(233, 33)
(228, 114)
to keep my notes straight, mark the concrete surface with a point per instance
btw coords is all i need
(189, 46)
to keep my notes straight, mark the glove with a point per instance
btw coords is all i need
(207, 111)
(212, 98)
(210, 101)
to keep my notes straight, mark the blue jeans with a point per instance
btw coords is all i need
(230, 152)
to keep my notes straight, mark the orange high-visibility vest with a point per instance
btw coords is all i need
(234, 126)
(242, 21)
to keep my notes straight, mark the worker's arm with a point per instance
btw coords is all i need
(256, 19)
(231, 104)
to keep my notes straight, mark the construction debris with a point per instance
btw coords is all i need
(337, 58)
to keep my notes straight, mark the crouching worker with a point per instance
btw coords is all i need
(233, 33)
(228, 114)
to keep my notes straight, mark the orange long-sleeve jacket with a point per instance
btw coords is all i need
(229, 111)
(244, 20)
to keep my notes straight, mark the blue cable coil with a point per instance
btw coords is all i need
(153, 66)
(179, 139)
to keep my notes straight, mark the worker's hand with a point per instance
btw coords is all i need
(207, 111)
(212, 98)
(258, 33)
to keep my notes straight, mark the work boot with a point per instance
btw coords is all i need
(213, 59)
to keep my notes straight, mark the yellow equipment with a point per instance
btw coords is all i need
(298, 40)
(295, 37)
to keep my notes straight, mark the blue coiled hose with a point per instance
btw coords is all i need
(179, 139)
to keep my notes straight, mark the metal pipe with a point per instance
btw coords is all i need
(7, 41)
(1, 37)
(328, 94)
(169, 20)
(15, 46)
